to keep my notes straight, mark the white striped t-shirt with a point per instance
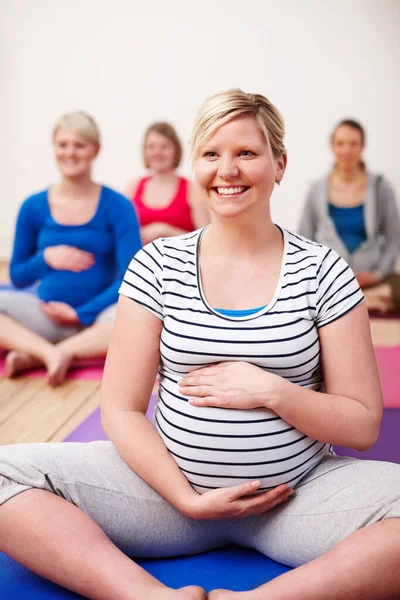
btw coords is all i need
(219, 447)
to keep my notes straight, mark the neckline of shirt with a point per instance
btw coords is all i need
(264, 309)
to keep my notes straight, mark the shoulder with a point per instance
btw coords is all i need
(114, 196)
(116, 202)
(300, 247)
(318, 186)
(177, 249)
(379, 181)
(132, 186)
(34, 204)
(187, 242)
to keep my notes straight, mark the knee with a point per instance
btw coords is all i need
(15, 468)
(392, 525)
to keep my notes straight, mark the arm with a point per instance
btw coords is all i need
(27, 262)
(308, 220)
(350, 411)
(127, 243)
(388, 228)
(129, 375)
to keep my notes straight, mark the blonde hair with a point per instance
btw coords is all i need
(167, 131)
(223, 107)
(80, 123)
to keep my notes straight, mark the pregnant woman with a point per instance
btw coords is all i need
(166, 204)
(75, 240)
(248, 327)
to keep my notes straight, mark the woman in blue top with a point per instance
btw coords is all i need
(75, 239)
(354, 212)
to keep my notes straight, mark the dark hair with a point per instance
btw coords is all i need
(166, 130)
(354, 125)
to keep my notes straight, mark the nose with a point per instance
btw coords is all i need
(227, 168)
(70, 150)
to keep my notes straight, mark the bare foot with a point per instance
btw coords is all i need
(57, 367)
(16, 362)
(190, 592)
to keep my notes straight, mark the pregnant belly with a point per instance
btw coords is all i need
(222, 447)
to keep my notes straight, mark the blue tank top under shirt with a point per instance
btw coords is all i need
(227, 312)
(349, 223)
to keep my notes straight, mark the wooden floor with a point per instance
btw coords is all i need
(31, 411)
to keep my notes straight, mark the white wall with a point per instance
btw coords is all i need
(129, 63)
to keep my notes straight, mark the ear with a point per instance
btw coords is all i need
(281, 163)
(97, 150)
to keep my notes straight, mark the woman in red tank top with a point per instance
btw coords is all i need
(166, 204)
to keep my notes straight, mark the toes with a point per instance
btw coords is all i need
(57, 371)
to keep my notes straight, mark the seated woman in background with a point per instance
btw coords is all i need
(76, 239)
(166, 204)
(354, 212)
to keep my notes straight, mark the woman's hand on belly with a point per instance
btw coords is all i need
(68, 258)
(236, 502)
(60, 312)
(233, 385)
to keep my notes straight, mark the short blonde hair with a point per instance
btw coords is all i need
(223, 107)
(166, 130)
(80, 123)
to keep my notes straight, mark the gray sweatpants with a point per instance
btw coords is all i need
(339, 496)
(25, 308)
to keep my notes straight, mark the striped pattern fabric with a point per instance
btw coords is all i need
(217, 447)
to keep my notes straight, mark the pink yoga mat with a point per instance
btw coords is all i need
(388, 359)
(85, 370)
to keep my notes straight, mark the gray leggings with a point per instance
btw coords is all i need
(25, 308)
(339, 496)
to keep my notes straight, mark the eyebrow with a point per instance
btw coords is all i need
(241, 146)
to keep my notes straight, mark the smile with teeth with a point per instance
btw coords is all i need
(230, 191)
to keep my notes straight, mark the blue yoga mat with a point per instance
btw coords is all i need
(234, 568)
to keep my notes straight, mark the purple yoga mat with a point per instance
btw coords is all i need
(388, 445)
(90, 430)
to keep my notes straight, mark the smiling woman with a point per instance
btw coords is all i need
(248, 327)
(166, 204)
(70, 239)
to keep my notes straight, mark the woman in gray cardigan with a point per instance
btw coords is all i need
(355, 213)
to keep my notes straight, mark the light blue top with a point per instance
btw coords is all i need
(227, 312)
(111, 235)
(350, 224)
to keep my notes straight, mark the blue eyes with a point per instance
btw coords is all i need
(244, 153)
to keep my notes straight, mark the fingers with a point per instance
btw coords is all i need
(243, 504)
(195, 390)
(243, 489)
(206, 401)
(78, 260)
(200, 379)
